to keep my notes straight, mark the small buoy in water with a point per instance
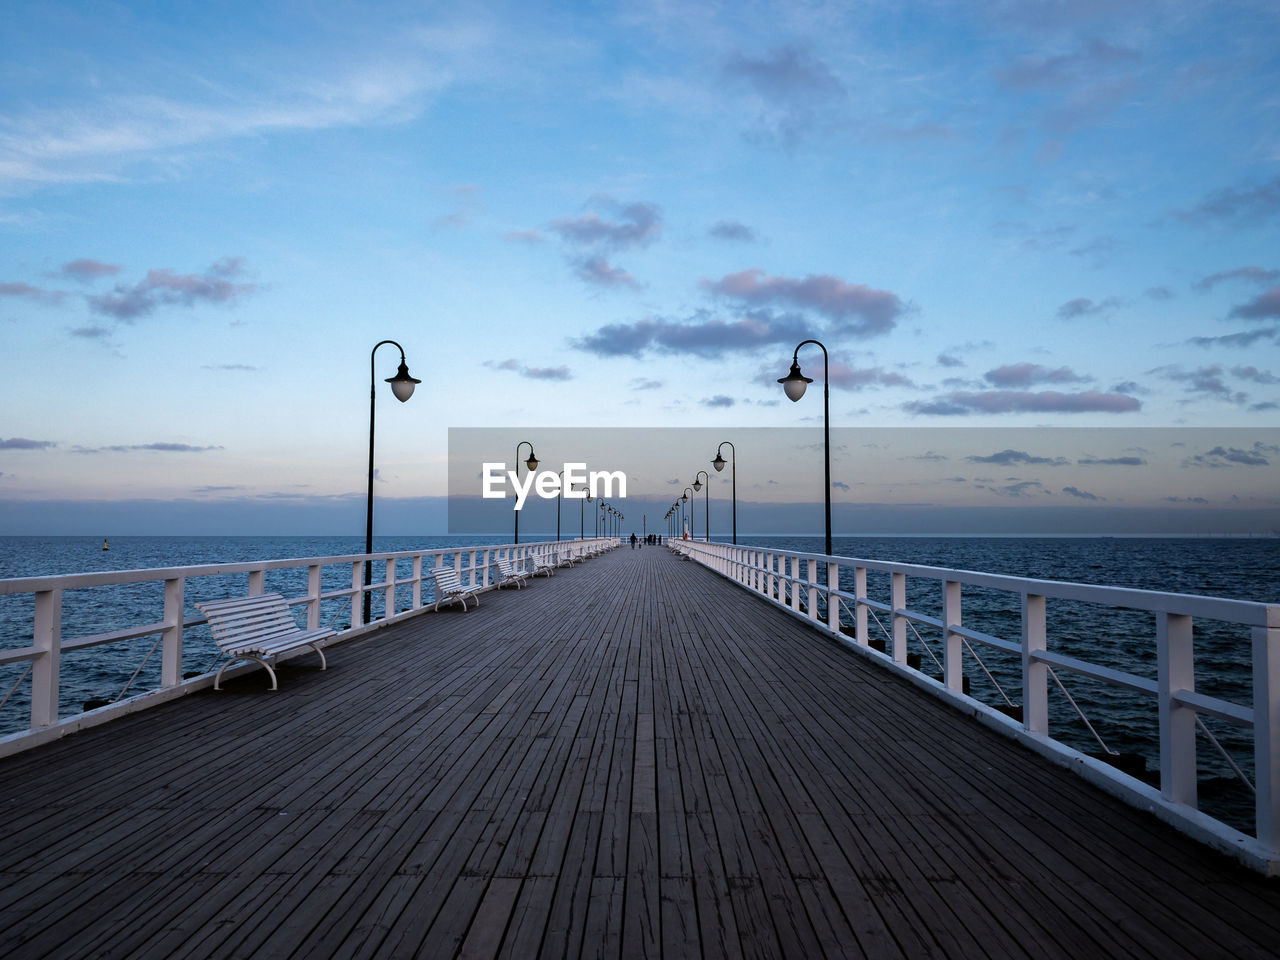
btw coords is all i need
(104, 544)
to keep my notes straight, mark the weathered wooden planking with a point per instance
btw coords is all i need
(633, 758)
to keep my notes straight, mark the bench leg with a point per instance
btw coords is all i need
(324, 664)
(218, 679)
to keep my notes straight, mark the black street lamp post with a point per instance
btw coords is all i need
(684, 498)
(532, 464)
(706, 503)
(402, 385)
(718, 463)
(794, 384)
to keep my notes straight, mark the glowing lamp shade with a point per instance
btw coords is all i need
(402, 383)
(719, 462)
(794, 382)
(532, 462)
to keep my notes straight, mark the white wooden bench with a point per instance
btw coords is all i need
(540, 566)
(509, 574)
(258, 628)
(449, 588)
(564, 558)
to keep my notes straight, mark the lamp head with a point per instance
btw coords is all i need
(697, 485)
(794, 382)
(402, 383)
(684, 498)
(718, 462)
(532, 462)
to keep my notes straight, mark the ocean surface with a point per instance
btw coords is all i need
(1238, 568)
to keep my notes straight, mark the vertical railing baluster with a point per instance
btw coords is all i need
(813, 589)
(357, 593)
(859, 607)
(898, 600)
(1176, 670)
(417, 581)
(389, 591)
(1266, 731)
(47, 638)
(952, 649)
(314, 589)
(833, 602)
(1035, 675)
(257, 582)
(171, 638)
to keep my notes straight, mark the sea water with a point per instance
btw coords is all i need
(1124, 722)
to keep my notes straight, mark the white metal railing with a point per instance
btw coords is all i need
(799, 582)
(401, 596)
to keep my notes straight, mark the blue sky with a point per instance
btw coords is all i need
(1017, 214)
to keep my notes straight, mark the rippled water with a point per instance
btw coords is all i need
(1244, 569)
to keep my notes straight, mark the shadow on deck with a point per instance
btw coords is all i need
(633, 758)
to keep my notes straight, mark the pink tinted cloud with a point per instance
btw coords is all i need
(701, 337)
(1265, 306)
(638, 225)
(1023, 401)
(842, 375)
(858, 310)
(165, 287)
(1027, 374)
(26, 290)
(86, 270)
(599, 272)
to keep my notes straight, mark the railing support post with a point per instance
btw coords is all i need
(898, 600)
(47, 637)
(389, 593)
(952, 649)
(1035, 675)
(417, 582)
(859, 607)
(257, 582)
(1175, 670)
(811, 568)
(357, 593)
(1266, 731)
(313, 596)
(171, 638)
(833, 602)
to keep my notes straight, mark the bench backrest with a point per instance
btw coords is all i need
(245, 620)
(447, 579)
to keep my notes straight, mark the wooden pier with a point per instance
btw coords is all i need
(633, 758)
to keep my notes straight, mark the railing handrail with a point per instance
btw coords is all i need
(787, 577)
(107, 578)
(44, 654)
(1253, 613)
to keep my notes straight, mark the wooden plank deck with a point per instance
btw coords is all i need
(633, 758)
